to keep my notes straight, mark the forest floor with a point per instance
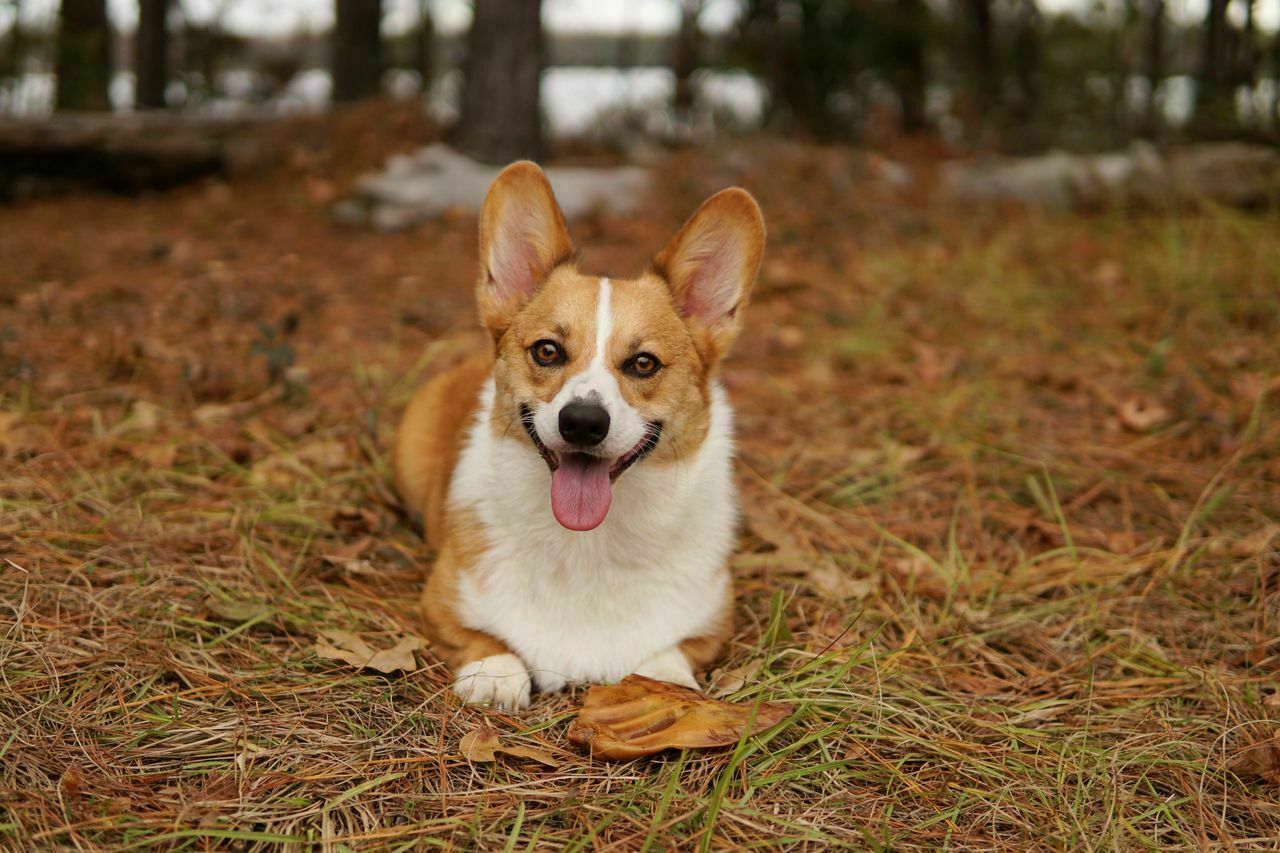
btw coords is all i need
(1011, 546)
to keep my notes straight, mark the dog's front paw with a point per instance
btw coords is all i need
(501, 681)
(670, 666)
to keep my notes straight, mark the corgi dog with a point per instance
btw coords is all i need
(576, 482)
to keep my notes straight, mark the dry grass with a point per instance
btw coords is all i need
(1011, 539)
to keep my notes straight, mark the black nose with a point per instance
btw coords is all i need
(584, 424)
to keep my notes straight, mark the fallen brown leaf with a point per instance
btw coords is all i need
(765, 524)
(642, 716)
(532, 753)
(728, 681)
(323, 454)
(71, 782)
(1258, 542)
(238, 611)
(889, 455)
(482, 745)
(1259, 760)
(1139, 414)
(161, 456)
(19, 439)
(347, 647)
(834, 582)
(355, 521)
(933, 364)
(1108, 274)
(144, 417)
(1249, 386)
(346, 553)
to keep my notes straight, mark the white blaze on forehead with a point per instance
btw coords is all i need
(596, 378)
(604, 321)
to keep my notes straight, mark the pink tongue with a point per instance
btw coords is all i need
(580, 492)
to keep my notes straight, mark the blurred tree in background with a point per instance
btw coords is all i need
(500, 120)
(903, 51)
(686, 58)
(1212, 86)
(83, 56)
(357, 49)
(982, 62)
(1153, 67)
(13, 45)
(1011, 75)
(151, 54)
(808, 52)
(205, 45)
(424, 44)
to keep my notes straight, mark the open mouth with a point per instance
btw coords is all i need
(643, 447)
(581, 483)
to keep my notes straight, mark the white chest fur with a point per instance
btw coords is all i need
(593, 606)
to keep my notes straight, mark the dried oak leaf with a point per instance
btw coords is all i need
(642, 716)
(347, 647)
(482, 745)
(1259, 760)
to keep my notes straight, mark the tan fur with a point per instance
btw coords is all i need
(550, 299)
(703, 651)
(727, 224)
(520, 198)
(429, 440)
(453, 642)
(563, 310)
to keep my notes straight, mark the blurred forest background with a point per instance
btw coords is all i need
(1013, 75)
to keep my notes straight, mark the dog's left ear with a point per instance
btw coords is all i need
(523, 237)
(711, 265)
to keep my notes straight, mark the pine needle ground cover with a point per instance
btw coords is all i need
(1010, 549)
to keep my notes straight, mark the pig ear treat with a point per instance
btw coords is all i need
(641, 716)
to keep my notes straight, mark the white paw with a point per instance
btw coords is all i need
(670, 666)
(501, 681)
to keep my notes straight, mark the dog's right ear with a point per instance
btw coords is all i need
(523, 237)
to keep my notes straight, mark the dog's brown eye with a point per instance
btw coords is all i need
(643, 365)
(547, 353)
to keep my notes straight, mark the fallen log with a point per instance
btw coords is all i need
(1228, 173)
(436, 179)
(126, 153)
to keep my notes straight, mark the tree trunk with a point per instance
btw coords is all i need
(1246, 65)
(1153, 68)
(357, 49)
(11, 62)
(1273, 109)
(983, 61)
(84, 56)
(913, 18)
(1025, 59)
(500, 119)
(775, 49)
(151, 54)
(1212, 97)
(684, 60)
(424, 46)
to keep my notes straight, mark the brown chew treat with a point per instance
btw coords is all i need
(641, 716)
